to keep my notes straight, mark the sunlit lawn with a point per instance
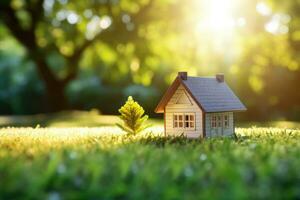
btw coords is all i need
(82, 155)
(94, 119)
(64, 119)
(103, 163)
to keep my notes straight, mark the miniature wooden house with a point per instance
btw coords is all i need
(199, 107)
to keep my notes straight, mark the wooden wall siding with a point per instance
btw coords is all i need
(212, 132)
(172, 107)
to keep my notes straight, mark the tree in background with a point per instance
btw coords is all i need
(118, 48)
(55, 34)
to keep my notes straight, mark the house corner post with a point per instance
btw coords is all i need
(203, 125)
(233, 125)
(165, 133)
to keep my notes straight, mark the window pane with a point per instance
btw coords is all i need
(180, 124)
(187, 124)
(180, 117)
(186, 117)
(175, 117)
(192, 124)
(192, 117)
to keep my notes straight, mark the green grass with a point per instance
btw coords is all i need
(94, 119)
(265, 124)
(103, 163)
(64, 119)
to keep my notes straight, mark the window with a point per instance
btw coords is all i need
(216, 121)
(220, 120)
(178, 120)
(184, 120)
(213, 121)
(226, 120)
(189, 120)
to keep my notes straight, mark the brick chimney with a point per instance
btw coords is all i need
(183, 75)
(220, 78)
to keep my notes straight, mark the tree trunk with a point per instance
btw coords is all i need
(55, 88)
(56, 97)
(53, 85)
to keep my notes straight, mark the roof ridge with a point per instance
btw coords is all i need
(208, 77)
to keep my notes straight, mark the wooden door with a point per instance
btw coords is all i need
(216, 124)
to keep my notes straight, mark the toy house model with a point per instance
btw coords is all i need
(199, 107)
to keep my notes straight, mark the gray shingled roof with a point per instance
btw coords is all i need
(212, 95)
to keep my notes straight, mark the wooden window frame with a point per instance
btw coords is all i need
(190, 122)
(177, 121)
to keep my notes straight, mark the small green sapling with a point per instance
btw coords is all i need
(132, 117)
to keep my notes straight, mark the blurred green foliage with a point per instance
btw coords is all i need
(100, 52)
(86, 163)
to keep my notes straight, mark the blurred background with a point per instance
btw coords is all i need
(80, 55)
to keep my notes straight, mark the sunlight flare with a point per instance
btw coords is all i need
(220, 15)
(217, 24)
